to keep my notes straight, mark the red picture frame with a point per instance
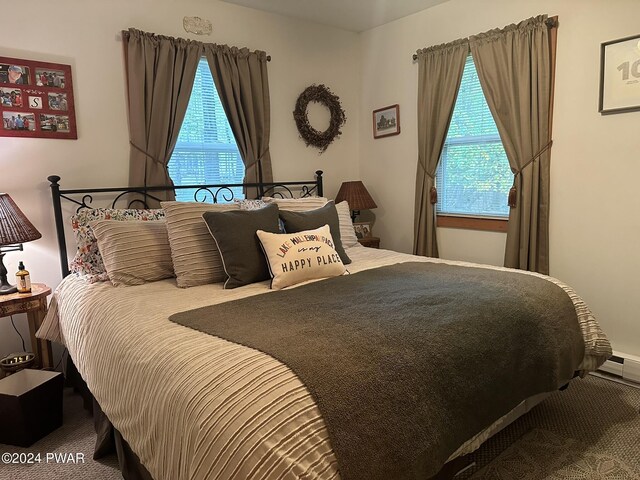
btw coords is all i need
(36, 99)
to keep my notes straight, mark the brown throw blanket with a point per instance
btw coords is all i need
(409, 361)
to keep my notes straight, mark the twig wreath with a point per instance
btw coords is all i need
(324, 96)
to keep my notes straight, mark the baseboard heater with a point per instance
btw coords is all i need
(624, 366)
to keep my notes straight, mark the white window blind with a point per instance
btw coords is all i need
(473, 176)
(206, 151)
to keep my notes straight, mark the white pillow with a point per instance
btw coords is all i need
(297, 204)
(347, 233)
(298, 257)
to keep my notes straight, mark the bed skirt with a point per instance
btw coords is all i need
(108, 439)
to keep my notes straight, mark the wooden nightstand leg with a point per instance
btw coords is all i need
(42, 348)
(35, 346)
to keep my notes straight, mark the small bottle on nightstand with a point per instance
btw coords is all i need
(23, 279)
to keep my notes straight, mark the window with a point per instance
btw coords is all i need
(206, 151)
(473, 176)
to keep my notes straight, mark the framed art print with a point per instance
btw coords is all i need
(386, 121)
(620, 76)
(36, 99)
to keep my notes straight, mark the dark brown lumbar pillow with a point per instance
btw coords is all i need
(312, 219)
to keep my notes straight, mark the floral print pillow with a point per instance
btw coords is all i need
(88, 261)
(248, 204)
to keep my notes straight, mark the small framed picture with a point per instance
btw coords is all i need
(620, 76)
(386, 121)
(363, 229)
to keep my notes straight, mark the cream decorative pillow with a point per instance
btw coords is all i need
(134, 252)
(347, 233)
(298, 257)
(297, 204)
(196, 259)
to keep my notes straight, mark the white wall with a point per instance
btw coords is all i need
(85, 35)
(595, 225)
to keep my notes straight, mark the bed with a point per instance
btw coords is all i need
(191, 405)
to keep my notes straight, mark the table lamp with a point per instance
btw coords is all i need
(357, 196)
(15, 229)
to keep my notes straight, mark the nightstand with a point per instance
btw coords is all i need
(34, 304)
(371, 242)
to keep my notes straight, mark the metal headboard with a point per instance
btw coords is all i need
(138, 197)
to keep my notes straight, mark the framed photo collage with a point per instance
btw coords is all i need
(36, 99)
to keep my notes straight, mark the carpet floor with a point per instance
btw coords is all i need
(591, 431)
(76, 435)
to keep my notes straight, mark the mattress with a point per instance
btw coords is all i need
(193, 406)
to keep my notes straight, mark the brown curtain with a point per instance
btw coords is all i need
(439, 75)
(160, 73)
(241, 80)
(515, 70)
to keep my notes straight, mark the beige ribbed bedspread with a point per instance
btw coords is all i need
(193, 406)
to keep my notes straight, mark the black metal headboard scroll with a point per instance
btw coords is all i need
(137, 197)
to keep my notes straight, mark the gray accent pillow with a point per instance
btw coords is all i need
(235, 235)
(312, 219)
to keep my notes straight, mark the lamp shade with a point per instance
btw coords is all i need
(356, 195)
(15, 227)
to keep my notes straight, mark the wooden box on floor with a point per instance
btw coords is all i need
(30, 406)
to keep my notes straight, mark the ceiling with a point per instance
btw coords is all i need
(353, 15)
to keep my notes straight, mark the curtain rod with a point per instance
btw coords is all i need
(125, 33)
(551, 22)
